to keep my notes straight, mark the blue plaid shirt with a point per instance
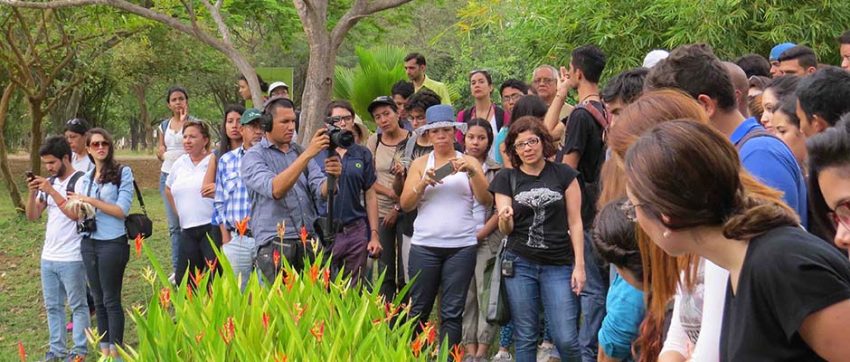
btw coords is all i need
(231, 196)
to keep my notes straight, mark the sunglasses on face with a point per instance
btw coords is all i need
(99, 144)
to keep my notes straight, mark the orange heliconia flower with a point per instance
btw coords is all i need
(276, 258)
(457, 352)
(212, 264)
(188, 292)
(79, 358)
(242, 226)
(199, 337)
(314, 273)
(139, 241)
(326, 277)
(288, 280)
(228, 330)
(22, 352)
(165, 297)
(429, 332)
(416, 347)
(265, 320)
(196, 278)
(299, 312)
(318, 331)
(303, 235)
(281, 357)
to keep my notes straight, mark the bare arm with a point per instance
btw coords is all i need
(208, 186)
(489, 227)
(602, 357)
(478, 181)
(170, 199)
(34, 206)
(505, 212)
(283, 182)
(825, 331)
(552, 118)
(160, 149)
(573, 197)
(571, 159)
(414, 186)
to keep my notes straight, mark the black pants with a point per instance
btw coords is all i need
(390, 260)
(195, 251)
(105, 261)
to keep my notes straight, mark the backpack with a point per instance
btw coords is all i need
(756, 133)
(602, 118)
(502, 119)
(71, 183)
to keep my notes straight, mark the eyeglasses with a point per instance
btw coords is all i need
(512, 98)
(337, 119)
(841, 214)
(544, 81)
(531, 142)
(99, 144)
(630, 210)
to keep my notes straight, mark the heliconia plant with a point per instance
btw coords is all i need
(301, 316)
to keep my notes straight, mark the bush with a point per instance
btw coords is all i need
(304, 316)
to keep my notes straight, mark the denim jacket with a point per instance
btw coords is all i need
(110, 227)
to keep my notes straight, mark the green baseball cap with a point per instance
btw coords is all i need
(250, 115)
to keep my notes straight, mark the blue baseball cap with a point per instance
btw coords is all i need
(777, 51)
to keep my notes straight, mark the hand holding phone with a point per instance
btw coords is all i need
(443, 172)
(30, 176)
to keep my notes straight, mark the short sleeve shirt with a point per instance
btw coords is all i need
(540, 213)
(787, 275)
(584, 135)
(358, 175)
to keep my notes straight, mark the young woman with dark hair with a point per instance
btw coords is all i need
(774, 93)
(230, 133)
(829, 172)
(615, 240)
(770, 313)
(109, 189)
(534, 202)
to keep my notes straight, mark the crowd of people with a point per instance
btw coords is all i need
(690, 209)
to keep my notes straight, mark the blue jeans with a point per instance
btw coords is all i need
(173, 223)
(61, 279)
(592, 303)
(105, 262)
(449, 271)
(240, 253)
(534, 284)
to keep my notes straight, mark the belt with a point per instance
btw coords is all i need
(248, 232)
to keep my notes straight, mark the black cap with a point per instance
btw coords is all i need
(77, 125)
(382, 101)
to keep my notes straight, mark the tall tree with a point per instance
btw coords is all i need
(323, 40)
(14, 193)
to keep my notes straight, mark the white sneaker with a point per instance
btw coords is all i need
(502, 356)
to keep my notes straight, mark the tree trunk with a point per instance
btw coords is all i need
(317, 89)
(14, 194)
(36, 114)
(140, 91)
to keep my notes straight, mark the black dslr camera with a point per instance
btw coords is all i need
(86, 226)
(339, 137)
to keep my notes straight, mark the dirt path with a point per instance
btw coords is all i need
(145, 167)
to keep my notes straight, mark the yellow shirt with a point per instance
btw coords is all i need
(438, 88)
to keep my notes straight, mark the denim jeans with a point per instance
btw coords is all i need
(61, 280)
(105, 261)
(195, 251)
(592, 302)
(240, 253)
(534, 284)
(449, 272)
(173, 223)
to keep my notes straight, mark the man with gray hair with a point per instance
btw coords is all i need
(544, 83)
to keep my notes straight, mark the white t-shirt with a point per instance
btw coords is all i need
(173, 148)
(81, 163)
(61, 241)
(185, 181)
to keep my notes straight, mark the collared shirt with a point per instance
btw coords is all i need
(232, 202)
(358, 175)
(259, 166)
(771, 162)
(438, 88)
(110, 227)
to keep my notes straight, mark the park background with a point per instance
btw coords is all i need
(112, 68)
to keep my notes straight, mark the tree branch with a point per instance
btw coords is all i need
(219, 21)
(62, 91)
(359, 10)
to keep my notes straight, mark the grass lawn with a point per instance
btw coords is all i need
(23, 317)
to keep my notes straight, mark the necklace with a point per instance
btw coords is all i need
(588, 96)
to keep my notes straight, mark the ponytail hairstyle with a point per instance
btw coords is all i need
(691, 173)
(830, 148)
(111, 171)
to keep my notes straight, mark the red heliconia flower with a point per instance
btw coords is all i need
(242, 226)
(303, 235)
(79, 358)
(165, 297)
(429, 332)
(457, 352)
(326, 277)
(276, 258)
(228, 330)
(281, 357)
(299, 312)
(318, 331)
(139, 241)
(212, 264)
(22, 352)
(196, 278)
(265, 320)
(289, 280)
(314, 273)
(189, 292)
(199, 337)
(416, 347)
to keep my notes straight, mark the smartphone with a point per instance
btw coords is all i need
(444, 171)
(30, 175)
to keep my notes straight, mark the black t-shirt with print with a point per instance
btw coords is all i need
(788, 274)
(540, 213)
(584, 135)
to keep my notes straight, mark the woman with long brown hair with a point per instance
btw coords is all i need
(771, 313)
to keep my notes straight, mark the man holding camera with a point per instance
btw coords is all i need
(285, 184)
(356, 234)
(63, 275)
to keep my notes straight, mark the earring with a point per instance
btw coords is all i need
(666, 233)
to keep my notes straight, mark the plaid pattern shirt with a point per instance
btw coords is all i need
(231, 196)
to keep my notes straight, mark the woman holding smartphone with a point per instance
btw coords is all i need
(109, 189)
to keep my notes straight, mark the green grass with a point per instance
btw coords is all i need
(23, 317)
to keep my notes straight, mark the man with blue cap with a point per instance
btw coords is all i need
(775, 53)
